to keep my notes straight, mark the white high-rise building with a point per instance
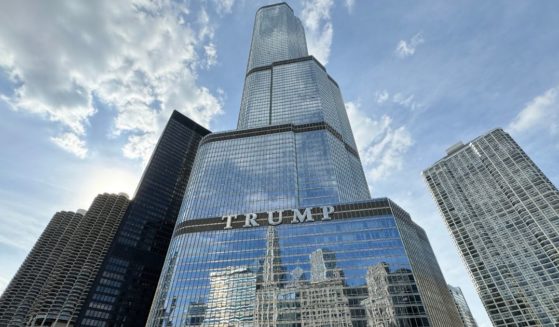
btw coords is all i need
(503, 214)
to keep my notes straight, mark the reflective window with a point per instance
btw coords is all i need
(328, 273)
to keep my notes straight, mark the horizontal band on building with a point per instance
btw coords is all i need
(272, 129)
(377, 207)
(292, 61)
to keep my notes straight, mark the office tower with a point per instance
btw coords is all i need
(503, 214)
(123, 289)
(77, 260)
(462, 305)
(284, 197)
(17, 299)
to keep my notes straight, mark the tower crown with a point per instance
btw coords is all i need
(277, 35)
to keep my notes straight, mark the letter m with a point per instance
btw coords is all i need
(299, 217)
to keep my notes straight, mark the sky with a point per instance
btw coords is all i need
(87, 86)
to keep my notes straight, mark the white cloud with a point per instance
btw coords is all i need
(140, 57)
(211, 55)
(399, 98)
(318, 27)
(349, 4)
(381, 96)
(407, 101)
(71, 143)
(382, 147)
(541, 113)
(407, 48)
(224, 6)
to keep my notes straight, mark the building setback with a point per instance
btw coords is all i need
(503, 214)
(462, 305)
(66, 287)
(31, 277)
(123, 289)
(277, 226)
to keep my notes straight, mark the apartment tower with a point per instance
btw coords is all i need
(503, 214)
(52, 283)
(31, 277)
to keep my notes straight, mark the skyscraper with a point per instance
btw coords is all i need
(71, 264)
(123, 289)
(284, 198)
(503, 214)
(31, 277)
(462, 305)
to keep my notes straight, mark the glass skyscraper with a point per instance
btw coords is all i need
(124, 286)
(503, 214)
(462, 306)
(277, 227)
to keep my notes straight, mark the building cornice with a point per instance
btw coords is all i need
(273, 129)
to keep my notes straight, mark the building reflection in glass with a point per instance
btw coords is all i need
(318, 302)
(343, 272)
(393, 298)
(231, 298)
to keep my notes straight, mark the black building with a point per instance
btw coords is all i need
(123, 289)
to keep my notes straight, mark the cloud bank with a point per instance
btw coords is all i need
(318, 27)
(541, 113)
(382, 146)
(139, 58)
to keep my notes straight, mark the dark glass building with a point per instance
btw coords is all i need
(124, 287)
(277, 227)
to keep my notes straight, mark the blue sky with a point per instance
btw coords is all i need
(86, 87)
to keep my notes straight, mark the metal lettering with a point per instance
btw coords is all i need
(250, 220)
(229, 218)
(271, 220)
(326, 211)
(299, 217)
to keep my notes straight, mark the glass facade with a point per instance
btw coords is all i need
(504, 216)
(462, 305)
(277, 35)
(122, 291)
(281, 168)
(321, 273)
(277, 227)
